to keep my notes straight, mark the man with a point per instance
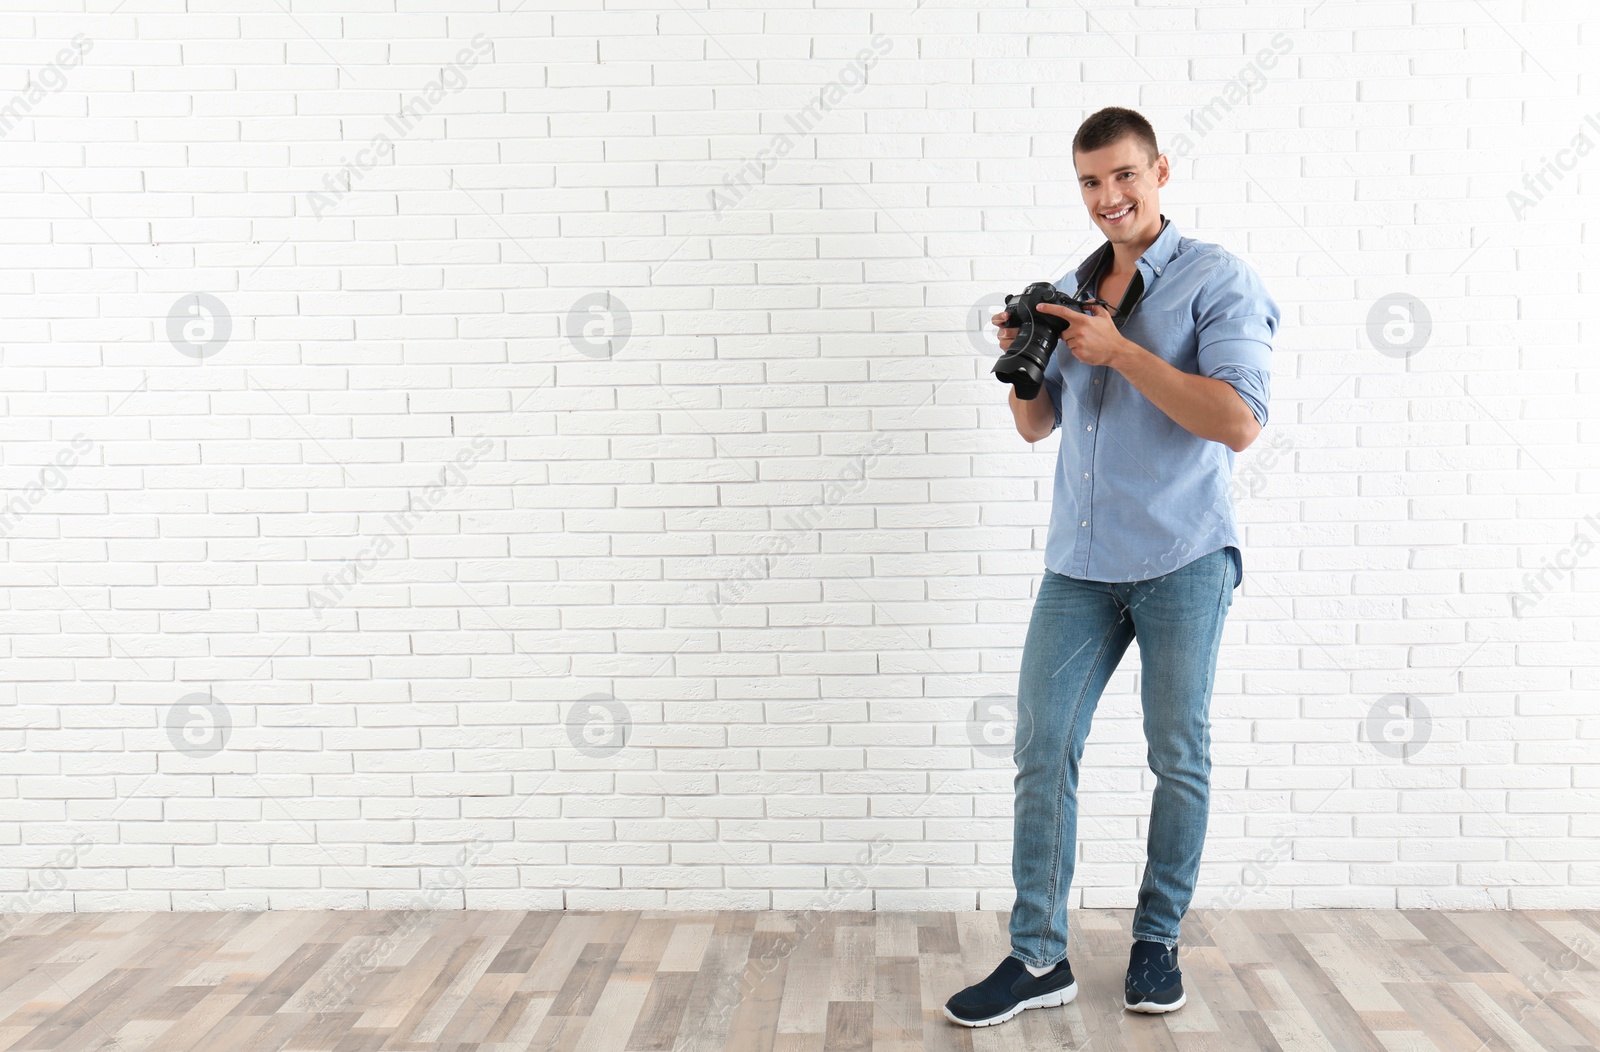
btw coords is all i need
(1153, 399)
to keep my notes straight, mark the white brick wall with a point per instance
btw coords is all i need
(671, 534)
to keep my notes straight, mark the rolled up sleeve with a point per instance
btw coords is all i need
(1235, 324)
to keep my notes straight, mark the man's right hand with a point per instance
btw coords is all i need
(1005, 335)
(1036, 416)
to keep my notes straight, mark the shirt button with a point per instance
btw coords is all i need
(1097, 381)
(1090, 427)
(1085, 474)
(1085, 522)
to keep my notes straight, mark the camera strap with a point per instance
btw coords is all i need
(1135, 290)
(1130, 297)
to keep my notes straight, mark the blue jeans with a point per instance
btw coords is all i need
(1078, 633)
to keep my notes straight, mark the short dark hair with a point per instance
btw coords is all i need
(1112, 124)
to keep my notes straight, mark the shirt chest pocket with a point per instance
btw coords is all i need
(1168, 334)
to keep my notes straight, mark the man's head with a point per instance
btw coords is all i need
(1120, 173)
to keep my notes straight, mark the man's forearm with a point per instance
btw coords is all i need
(1036, 417)
(1199, 404)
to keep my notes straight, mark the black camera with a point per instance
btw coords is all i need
(1038, 334)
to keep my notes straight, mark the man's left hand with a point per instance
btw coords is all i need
(1093, 339)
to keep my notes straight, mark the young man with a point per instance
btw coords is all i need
(1153, 401)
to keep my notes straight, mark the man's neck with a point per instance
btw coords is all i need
(1123, 257)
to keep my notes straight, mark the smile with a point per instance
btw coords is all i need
(1114, 217)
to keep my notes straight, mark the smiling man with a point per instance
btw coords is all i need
(1153, 401)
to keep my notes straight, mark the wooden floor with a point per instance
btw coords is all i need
(1338, 980)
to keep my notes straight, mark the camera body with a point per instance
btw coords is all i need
(1038, 334)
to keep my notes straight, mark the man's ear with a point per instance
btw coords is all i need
(1163, 170)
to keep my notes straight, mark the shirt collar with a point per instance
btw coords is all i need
(1156, 257)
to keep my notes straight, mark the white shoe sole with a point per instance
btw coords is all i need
(1050, 1000)
(1152, 1007)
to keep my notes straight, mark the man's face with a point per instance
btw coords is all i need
(1121, 189)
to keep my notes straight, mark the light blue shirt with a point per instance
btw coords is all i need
(1137, 495)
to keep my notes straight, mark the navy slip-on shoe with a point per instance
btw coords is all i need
(1154, 982)
(1010, 989)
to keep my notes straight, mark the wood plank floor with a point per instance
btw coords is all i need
(1336, 980)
